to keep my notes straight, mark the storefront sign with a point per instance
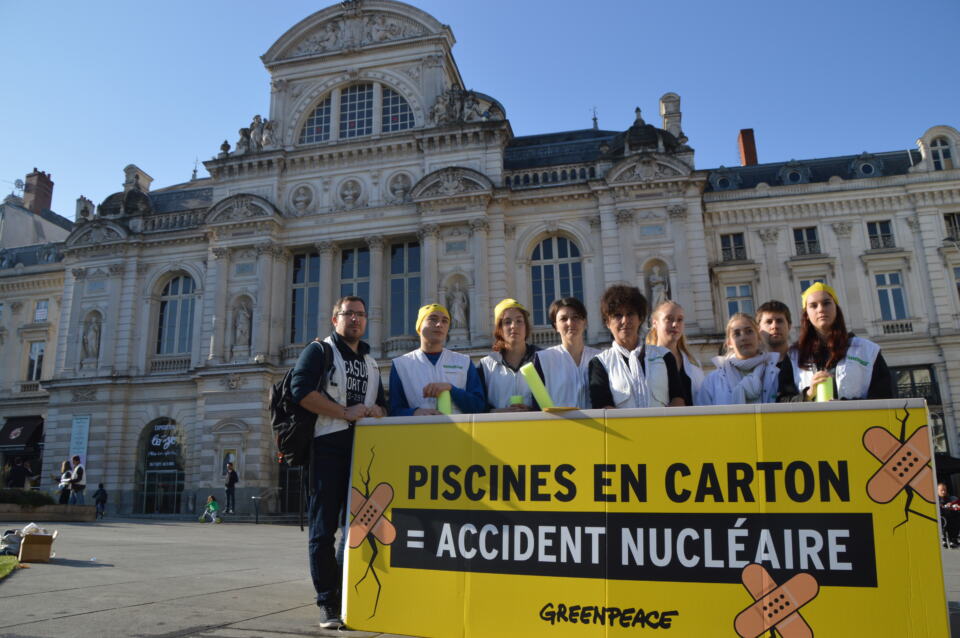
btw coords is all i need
(700, 521)
(163, 447)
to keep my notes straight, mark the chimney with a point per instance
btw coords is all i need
(135, 177)
(748, 147)
(670, 113)
(38, 192)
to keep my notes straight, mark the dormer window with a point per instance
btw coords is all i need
(358, 110)
(940, 154)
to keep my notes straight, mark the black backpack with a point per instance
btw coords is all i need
(292, 424)
(293, 428)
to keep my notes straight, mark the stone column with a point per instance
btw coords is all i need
(610, 244)
(72, 280)
(700, 317)
(481, 321)
(123, 324)
(628, 259)
(375, 304)
(429, 234)
(925, 291)
(773, 282)
(278, 311)
(214, 305)
(326, 250)
(852, 303)
(593, 285)
(260, 339)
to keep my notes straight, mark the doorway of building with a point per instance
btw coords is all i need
(160, 469)
(290, 487)
(161, 492)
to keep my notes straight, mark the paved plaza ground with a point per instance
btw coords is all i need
(166, 579)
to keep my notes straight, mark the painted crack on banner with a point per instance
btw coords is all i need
(370, 524)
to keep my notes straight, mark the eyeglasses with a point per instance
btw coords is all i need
(352, 314)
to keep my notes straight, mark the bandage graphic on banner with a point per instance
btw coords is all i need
(904, 464)
(368, 516)
(775, 607)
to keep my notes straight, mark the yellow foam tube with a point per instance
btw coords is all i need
(536, 386)
(444, 406)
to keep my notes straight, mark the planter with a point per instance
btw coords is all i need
(47, 513)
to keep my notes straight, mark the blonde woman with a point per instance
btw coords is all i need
(666, 330)
(745, 373)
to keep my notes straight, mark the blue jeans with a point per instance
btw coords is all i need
(329, 479)
(76, 495)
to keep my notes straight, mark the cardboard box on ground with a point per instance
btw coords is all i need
(36, 547)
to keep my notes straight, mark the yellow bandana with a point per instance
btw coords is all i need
(814, 288)
(426, 310)
(503, 306)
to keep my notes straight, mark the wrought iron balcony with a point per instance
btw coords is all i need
(928, 391)
(881, 241)
(737, 253)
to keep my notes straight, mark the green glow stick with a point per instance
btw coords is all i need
(536, 386)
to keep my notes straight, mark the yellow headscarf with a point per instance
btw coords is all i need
(425, 311)
(814, 288)
(503, 306)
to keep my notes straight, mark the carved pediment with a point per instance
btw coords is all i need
(647, 168)
(349, 26)
(241, 208)
(451, 182)
(96, 232)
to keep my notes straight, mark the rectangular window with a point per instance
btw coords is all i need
(305, 297)
(952, 220)
(893, 304)
(732, 247)
(880, 234)
(35, 363)
(355, 275)
(806, 283)
(805, 240)
(41, 310)
(956, 278)
(404, 287)
(739, 298)
(356, 111)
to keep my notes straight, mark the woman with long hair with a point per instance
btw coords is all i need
(666, 330)
(630, 373)
(507, 389)
(745, 373)
(563, 368)
(66, 474)
(826, 353)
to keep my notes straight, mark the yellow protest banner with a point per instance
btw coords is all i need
(722, 521)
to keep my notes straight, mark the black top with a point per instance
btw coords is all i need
(881, 382)
(17, 477)
(601, 396)
(315, 364)
(232, 478)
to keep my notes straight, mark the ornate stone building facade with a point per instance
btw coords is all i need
(377, 173)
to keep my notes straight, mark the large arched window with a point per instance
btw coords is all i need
(356, 111)
(175, 325)
(940, 153)
(556, 271)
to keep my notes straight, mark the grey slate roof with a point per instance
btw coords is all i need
(31, 255)
(176, 200)
(821, 170)
(555, 149)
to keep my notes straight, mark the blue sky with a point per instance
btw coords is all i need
(91, 87)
